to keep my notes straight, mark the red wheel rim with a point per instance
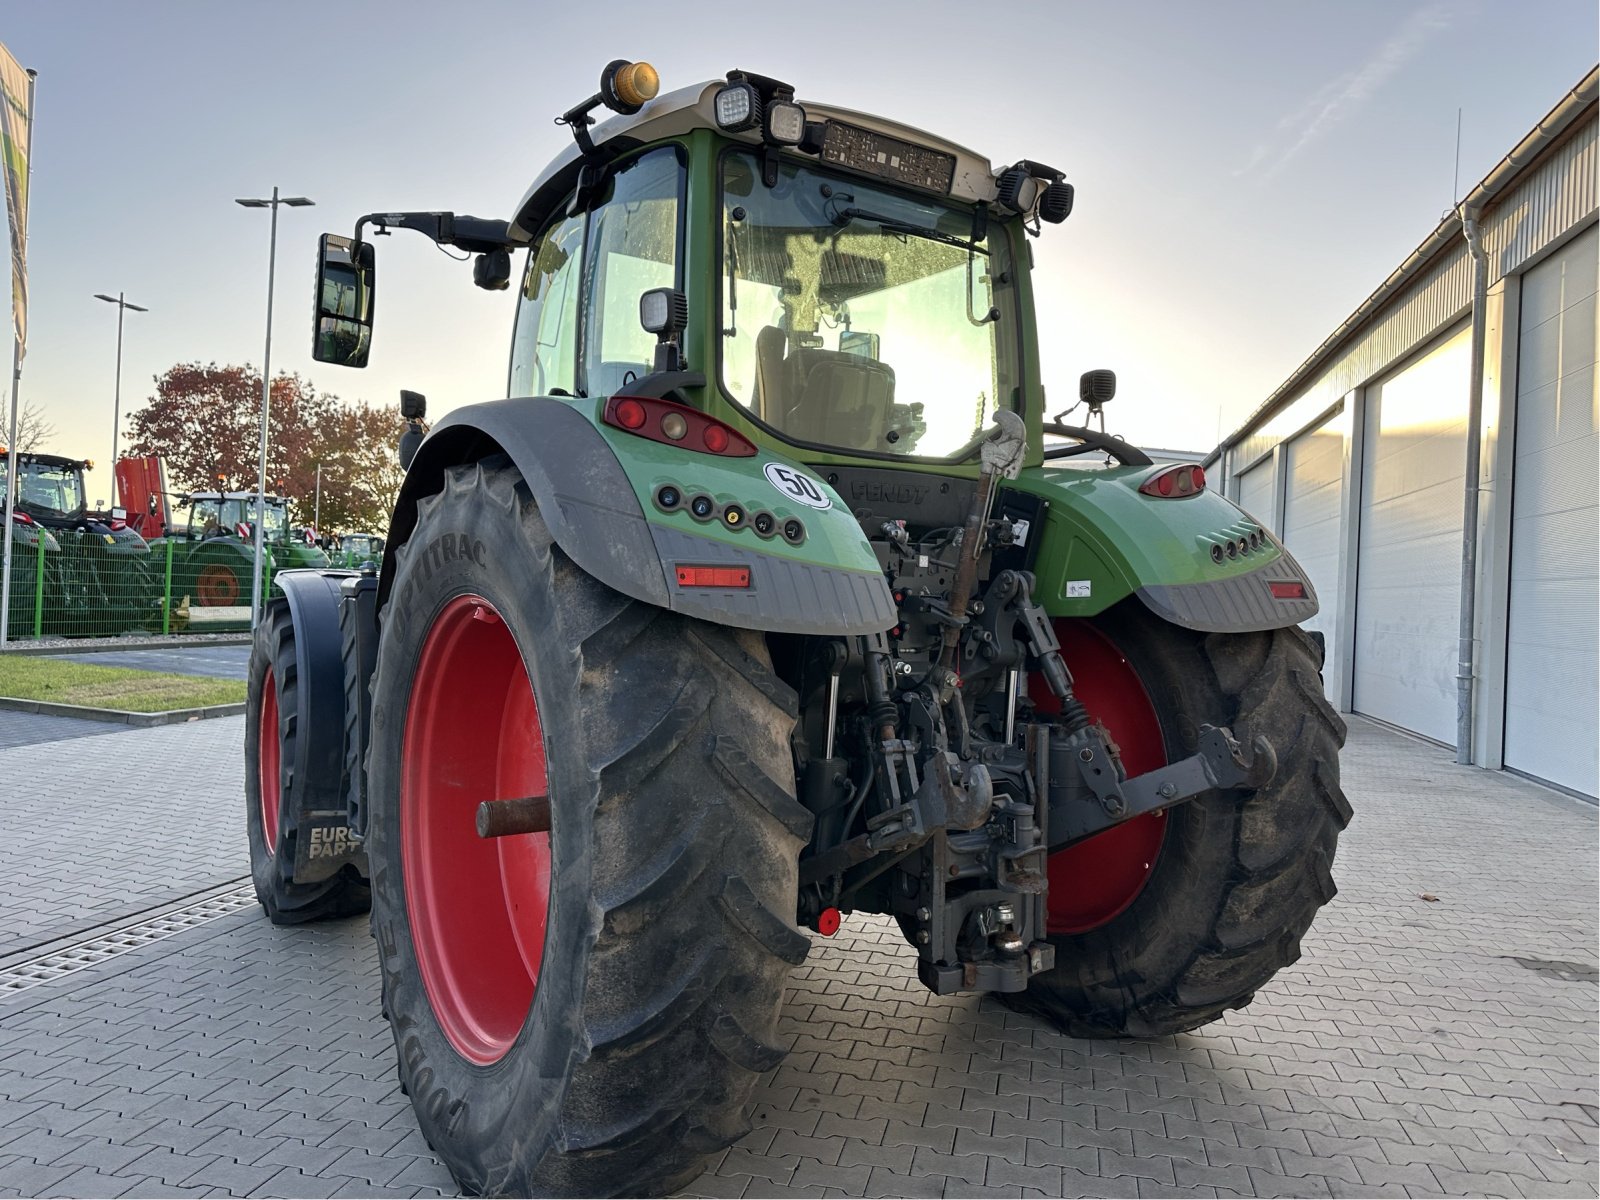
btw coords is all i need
(218, 586)
(269, 761)
(1095, 880)
(478, 906)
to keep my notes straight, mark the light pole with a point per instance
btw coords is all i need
(266, 389)
(123, 305)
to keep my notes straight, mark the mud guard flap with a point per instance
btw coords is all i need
(324, 844)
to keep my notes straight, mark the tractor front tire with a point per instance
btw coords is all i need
(582, 1011)
(270, 733)
(1167, 922)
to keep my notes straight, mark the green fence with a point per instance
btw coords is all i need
(70, 583)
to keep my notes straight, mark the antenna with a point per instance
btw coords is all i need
(1455, 179)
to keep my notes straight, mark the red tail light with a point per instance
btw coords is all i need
(1175, 483)
(674, 424)
(1287, 590)
(22, 518)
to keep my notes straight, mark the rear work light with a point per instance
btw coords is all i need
(675, 424)
(1175, 483)
(718, 577)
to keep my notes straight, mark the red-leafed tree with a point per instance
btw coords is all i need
(204, 420)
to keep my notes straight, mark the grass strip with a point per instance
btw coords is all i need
(41, 677)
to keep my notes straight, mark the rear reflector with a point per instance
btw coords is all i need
(1287, 591)
(724, 577)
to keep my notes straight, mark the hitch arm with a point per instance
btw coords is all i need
(1087, 795)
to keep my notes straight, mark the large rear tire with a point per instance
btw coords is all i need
(270, 734)
(1167, 922)
(582, 1012)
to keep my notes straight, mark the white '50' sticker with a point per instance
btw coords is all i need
(797, 486)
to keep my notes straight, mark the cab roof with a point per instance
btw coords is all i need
(49, 460)
(191, 497)
(677, 113)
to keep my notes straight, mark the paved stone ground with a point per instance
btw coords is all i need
(1418, 1048)
(222, 662)
(31, 729)
(93, 828)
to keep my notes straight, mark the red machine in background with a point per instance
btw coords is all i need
(142, 488)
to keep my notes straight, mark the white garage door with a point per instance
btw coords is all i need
(1553, 643)
(1255, 492)
(1314, 465)
(1408, 580)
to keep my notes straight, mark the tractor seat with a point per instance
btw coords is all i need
(841, 400)
(823, 396)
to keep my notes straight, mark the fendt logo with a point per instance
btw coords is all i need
(889, 493)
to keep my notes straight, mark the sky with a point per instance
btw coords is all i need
(1246, 172)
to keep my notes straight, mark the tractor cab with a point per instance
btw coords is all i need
(50, 489)
(825, 281)
(233, 514)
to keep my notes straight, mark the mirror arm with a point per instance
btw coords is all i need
(476, 235)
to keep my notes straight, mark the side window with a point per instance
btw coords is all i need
(544, 351)
(633, 247)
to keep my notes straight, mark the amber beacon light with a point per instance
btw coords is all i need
(629, 86)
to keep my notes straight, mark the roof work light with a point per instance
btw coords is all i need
(738, 107)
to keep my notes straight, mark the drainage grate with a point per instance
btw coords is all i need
(95, 950)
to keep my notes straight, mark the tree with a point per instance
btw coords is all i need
(205, 421)
(361, 472)
(33, 431)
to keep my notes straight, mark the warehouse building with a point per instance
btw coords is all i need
(1469, 616)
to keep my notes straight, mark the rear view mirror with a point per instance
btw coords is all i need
(345, 292)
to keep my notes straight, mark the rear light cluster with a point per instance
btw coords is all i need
(674, 424)
(671, 498)
(1175, 483)
(1234, 547)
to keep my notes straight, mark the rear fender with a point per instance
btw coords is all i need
(323, 844)
(594, 488)
(1201, 562)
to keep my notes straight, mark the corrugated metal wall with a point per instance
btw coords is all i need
(1550, 210)
(1544, 207)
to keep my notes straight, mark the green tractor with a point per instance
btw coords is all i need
(74, 572)
(358, 550)
(213, 554)
(761, 601)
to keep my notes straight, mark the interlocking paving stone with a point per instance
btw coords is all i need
(36, 729)
(1408, 1053)
(111, 825)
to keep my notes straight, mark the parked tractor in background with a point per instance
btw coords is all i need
(359, 550)
(94, 577)
(761, 601)
(214, 552)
